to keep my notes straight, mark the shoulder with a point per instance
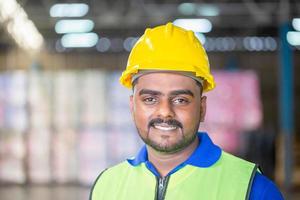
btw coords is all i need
(264, 188)
(108, 176)
(113, 171)
(234, 161)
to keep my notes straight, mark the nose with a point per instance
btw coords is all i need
(165, 110)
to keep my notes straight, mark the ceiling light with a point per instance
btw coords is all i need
(296, 24)
(187, 8)
(74, 26)
(103, 44)
(129, 43)
(293, 37)
(196, 25)
(69, 10)
(21, 29)
(208, 10)
(79, 40)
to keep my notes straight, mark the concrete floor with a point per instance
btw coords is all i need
(44, 193)
(63, 193)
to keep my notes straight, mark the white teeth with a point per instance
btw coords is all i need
(165, 128)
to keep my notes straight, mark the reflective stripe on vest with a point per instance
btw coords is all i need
(229, 178)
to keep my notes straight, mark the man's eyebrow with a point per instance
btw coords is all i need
(180, 92)
(147, 91)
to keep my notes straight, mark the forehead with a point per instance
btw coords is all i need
(165, 82)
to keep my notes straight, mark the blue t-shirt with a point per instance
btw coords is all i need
(262, 187)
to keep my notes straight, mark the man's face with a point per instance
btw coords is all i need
(167, 109)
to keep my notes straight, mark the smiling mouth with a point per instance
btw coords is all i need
(164, 127)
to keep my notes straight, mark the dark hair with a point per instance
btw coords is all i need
(134, 82)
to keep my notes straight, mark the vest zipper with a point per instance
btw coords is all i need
(161, 187)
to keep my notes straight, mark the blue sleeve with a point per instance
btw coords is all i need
(264, 189)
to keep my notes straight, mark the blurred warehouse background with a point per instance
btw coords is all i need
(64, 117)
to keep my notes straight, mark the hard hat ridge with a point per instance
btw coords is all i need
(147, 32)
(169, 30)
(192, 37)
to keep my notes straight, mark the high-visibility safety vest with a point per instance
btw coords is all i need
(230, 178)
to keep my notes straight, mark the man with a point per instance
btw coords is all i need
(168, 70)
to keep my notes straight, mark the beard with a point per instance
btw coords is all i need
(182, 143)
(169, 149)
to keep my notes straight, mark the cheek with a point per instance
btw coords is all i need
(141, 114)
(188, 116)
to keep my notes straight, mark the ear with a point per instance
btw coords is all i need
(203, 108)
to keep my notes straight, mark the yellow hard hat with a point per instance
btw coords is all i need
(168, 48)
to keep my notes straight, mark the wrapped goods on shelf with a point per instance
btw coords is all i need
(236, 100)
(13, 101)
(2, 100)
(12, 155)
(64, 148)
(225, 136)
(40, 99)
(93, 98)
(233, 107)
(16, 118)
(13, 124)
(123, 143)
(118, 102)
(65, 99)
(93, 149)
(120, 117)
(38, 156)
(16, 87)
(40, 119)
(2, 107)
(251, 117)
(40, 86)
(118, 95)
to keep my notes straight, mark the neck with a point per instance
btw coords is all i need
(164, 162)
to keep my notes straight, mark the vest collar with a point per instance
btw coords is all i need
(205, 155)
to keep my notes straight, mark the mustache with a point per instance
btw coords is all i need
(171, 122)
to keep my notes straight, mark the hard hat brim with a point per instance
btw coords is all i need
(126, 77)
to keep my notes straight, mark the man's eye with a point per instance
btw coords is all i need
(180, 101)
(149, 100)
